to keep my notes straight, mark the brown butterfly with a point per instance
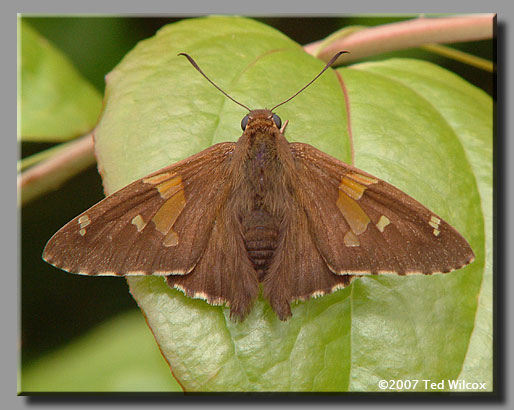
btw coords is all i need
(258, 212)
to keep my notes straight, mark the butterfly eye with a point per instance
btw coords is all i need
(277, 120)
(244, 122)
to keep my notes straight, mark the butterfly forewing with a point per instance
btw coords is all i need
(363, 225)
(157, 225)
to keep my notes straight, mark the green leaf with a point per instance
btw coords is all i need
(407, 127)
(119, 355)
(55, 102)
(438, 148)
(469, 113)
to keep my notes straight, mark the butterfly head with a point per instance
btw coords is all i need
(261, 118)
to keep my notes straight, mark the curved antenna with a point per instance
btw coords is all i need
(193, 63)
(314, 79)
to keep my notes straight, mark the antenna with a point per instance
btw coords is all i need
(193, 63)
(332, 60)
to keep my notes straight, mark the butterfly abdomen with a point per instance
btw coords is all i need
(260, 233)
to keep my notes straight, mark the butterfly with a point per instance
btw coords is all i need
(260, 214)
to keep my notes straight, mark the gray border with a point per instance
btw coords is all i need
(261, 7)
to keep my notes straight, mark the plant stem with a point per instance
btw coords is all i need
(51, 173)
(461, 56)
(405, 34)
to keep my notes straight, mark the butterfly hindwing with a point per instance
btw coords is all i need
(363, 225)
(224, 274)
(157, 225)
(298, 271)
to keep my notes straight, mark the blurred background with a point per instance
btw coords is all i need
(59, 310)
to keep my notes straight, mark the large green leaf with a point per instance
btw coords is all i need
(55, 103)
(159, 110)
(469, 113)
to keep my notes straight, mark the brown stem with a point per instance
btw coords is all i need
(405, 34)
(50, 174)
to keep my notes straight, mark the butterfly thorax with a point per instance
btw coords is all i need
(262, 166)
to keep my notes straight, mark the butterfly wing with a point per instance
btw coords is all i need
(362, 225)
(158, 225)
(298, 270)
(224, 273)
